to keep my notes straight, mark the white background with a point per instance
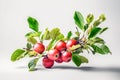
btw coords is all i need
(57, 13)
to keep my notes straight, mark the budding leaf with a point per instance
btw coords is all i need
(89, 18)
(101, 19)
(46, 35)
(54, 33)
(33, 24)
(17, 54)
(69, 35)
(79, 20)
(96, 23)
(32, 64)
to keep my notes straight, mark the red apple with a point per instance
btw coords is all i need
(70, 43)
(47, 63)
(39, 48)
(61, 45)
(66, 56)
(53, 54)
(59, 60)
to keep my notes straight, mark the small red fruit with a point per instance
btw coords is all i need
(47, 63)
(53, 54)
(71, 42)
(66, 56)
(39, 48)
(59, 60)
(61, 45)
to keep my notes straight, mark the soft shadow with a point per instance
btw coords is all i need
(101, 69)
(25, 67)
(22, 67)
(91, 69)
(84, 68)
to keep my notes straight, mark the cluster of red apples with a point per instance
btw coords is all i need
(59, 54)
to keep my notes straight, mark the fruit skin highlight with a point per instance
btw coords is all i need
(53, 54)
(39, 48)
(47, 63)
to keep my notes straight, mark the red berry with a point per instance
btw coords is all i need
(47, 63)
(53, 54)
(71, 42)
(61, 45)
(59, 60)
(66, 56)
(39, 48)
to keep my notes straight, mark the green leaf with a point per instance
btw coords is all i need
(54, 33)
(32, 40)
(17, 54)
(93, 51)
(29, 46)
(76, 38)
(96, 40)
(76, 59)
(32, 54)
(103, 30)
(85, 27)
(94, 32)
(89, 18)
(33, 23)
(51, 44)
(33, 34)
(46, 35)
(77, 34)
(97, 49)
(102, 49)
(60, 37)
(83, 59)
(105, 49)
(77, 51)
(32, 64)
(79, 20)
(69, 35)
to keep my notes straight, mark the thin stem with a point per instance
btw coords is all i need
(78, 32)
